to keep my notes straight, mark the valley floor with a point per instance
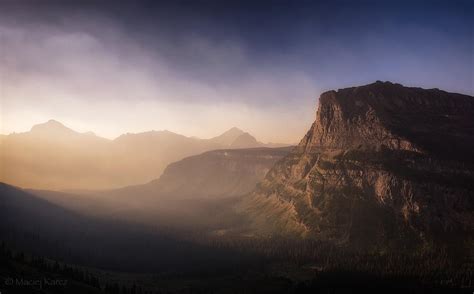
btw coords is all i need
(337, 272)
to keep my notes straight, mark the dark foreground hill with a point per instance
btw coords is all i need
(34, 225)
(42, 242)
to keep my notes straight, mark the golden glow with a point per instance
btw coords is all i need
(112, 87)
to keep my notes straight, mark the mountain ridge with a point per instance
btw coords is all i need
(226, 138)
(54, 157)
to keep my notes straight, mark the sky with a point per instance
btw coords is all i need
(199, 68)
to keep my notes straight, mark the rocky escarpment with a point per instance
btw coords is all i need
(382, 164)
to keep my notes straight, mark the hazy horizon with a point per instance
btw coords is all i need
(138, 132)
(240, 146)
(200, 68)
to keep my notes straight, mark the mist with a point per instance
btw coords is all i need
(104, 81)
(205, 146)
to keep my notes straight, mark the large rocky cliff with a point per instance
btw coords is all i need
(381, 164)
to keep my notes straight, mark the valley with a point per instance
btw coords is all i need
(355, 188)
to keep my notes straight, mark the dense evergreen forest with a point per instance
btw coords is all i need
(43, 241)
(264, 265)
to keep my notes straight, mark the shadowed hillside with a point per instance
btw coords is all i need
(40, 227)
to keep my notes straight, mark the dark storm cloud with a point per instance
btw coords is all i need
(332, 41)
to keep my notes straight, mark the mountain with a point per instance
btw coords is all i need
(52, 128)
(219, 173)
(53, 156)
(382, 164)
(245, 141)
(236, 138)
(228, 137)
(199, 191)
(144, 156)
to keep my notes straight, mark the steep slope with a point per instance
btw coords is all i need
(382, 164)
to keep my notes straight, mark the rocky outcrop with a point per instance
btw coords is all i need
(382, 164)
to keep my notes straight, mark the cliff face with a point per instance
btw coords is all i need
(382, 163)
(396, 117)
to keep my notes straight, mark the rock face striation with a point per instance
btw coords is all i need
(381, 164)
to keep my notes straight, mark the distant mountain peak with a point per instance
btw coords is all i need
(233, 131)
(51, 126)
(245, 141)
(228, 137)
(51, 123)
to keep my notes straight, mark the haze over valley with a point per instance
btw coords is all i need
(236, 147)
(52, 156)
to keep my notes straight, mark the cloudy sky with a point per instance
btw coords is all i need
(200, 67)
